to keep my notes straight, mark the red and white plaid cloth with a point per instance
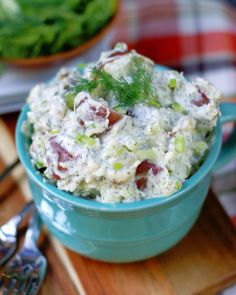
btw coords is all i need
(197, 37)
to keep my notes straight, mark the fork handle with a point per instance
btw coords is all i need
(33, 231)
(26, 209)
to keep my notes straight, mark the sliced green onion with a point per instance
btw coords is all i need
(85, 139)
(177, 107)
(172, 83)
(180, 145)
(200, 147)
(39, 164)
(70, 97)
(147, 154)
(54, 131)
(178, 184)
(117, 166)
(120, 151)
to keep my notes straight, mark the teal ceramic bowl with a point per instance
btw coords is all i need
(131, 231)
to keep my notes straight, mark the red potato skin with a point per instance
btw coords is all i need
(114, 117)
(141, 183)
(145, 166)
(55, 176)
(202, 101)
(101, 113)
(141, 172)
(63, 156)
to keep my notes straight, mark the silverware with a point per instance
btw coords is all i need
(8, 169)
(25, 272)
(8, 234)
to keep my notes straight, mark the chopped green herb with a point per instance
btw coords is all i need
(85, 139)
(70, 97)
(149, 154)
(200, 147)
(177, 107)
(154, 103)
(54, 131)
(120, 151)
(85, 85)
(126, 92)
(117, 166)
(39, 164)
(178, 184)
(123, 149)
(172, 83)
(180, 145)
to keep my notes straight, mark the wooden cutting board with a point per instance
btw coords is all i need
(204, 262)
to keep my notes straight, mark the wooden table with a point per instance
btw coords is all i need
(204, 262)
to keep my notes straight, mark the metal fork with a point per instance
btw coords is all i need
(25, 272)
(8, 234)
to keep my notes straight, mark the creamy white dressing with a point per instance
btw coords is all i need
(145, 152)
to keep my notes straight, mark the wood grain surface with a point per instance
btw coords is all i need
(204, 262)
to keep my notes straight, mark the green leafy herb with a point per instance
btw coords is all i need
(39, 27)
(2, 68)
(85, 85)
(127, 92)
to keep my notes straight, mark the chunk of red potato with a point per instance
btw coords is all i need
(99, 111)
(202, 100)
(145, 166)
(141, 183)
(63, 155)
(114, 117)
(142, 170)
(90, 109)
(95, 111)
(55, 176)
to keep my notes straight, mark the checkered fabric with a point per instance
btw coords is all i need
(197, 37)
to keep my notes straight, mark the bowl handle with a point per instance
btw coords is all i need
(228, 150)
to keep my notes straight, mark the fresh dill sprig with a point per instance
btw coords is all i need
(85, 85)
(135, 89)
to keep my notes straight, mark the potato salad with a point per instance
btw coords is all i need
(121, 129)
